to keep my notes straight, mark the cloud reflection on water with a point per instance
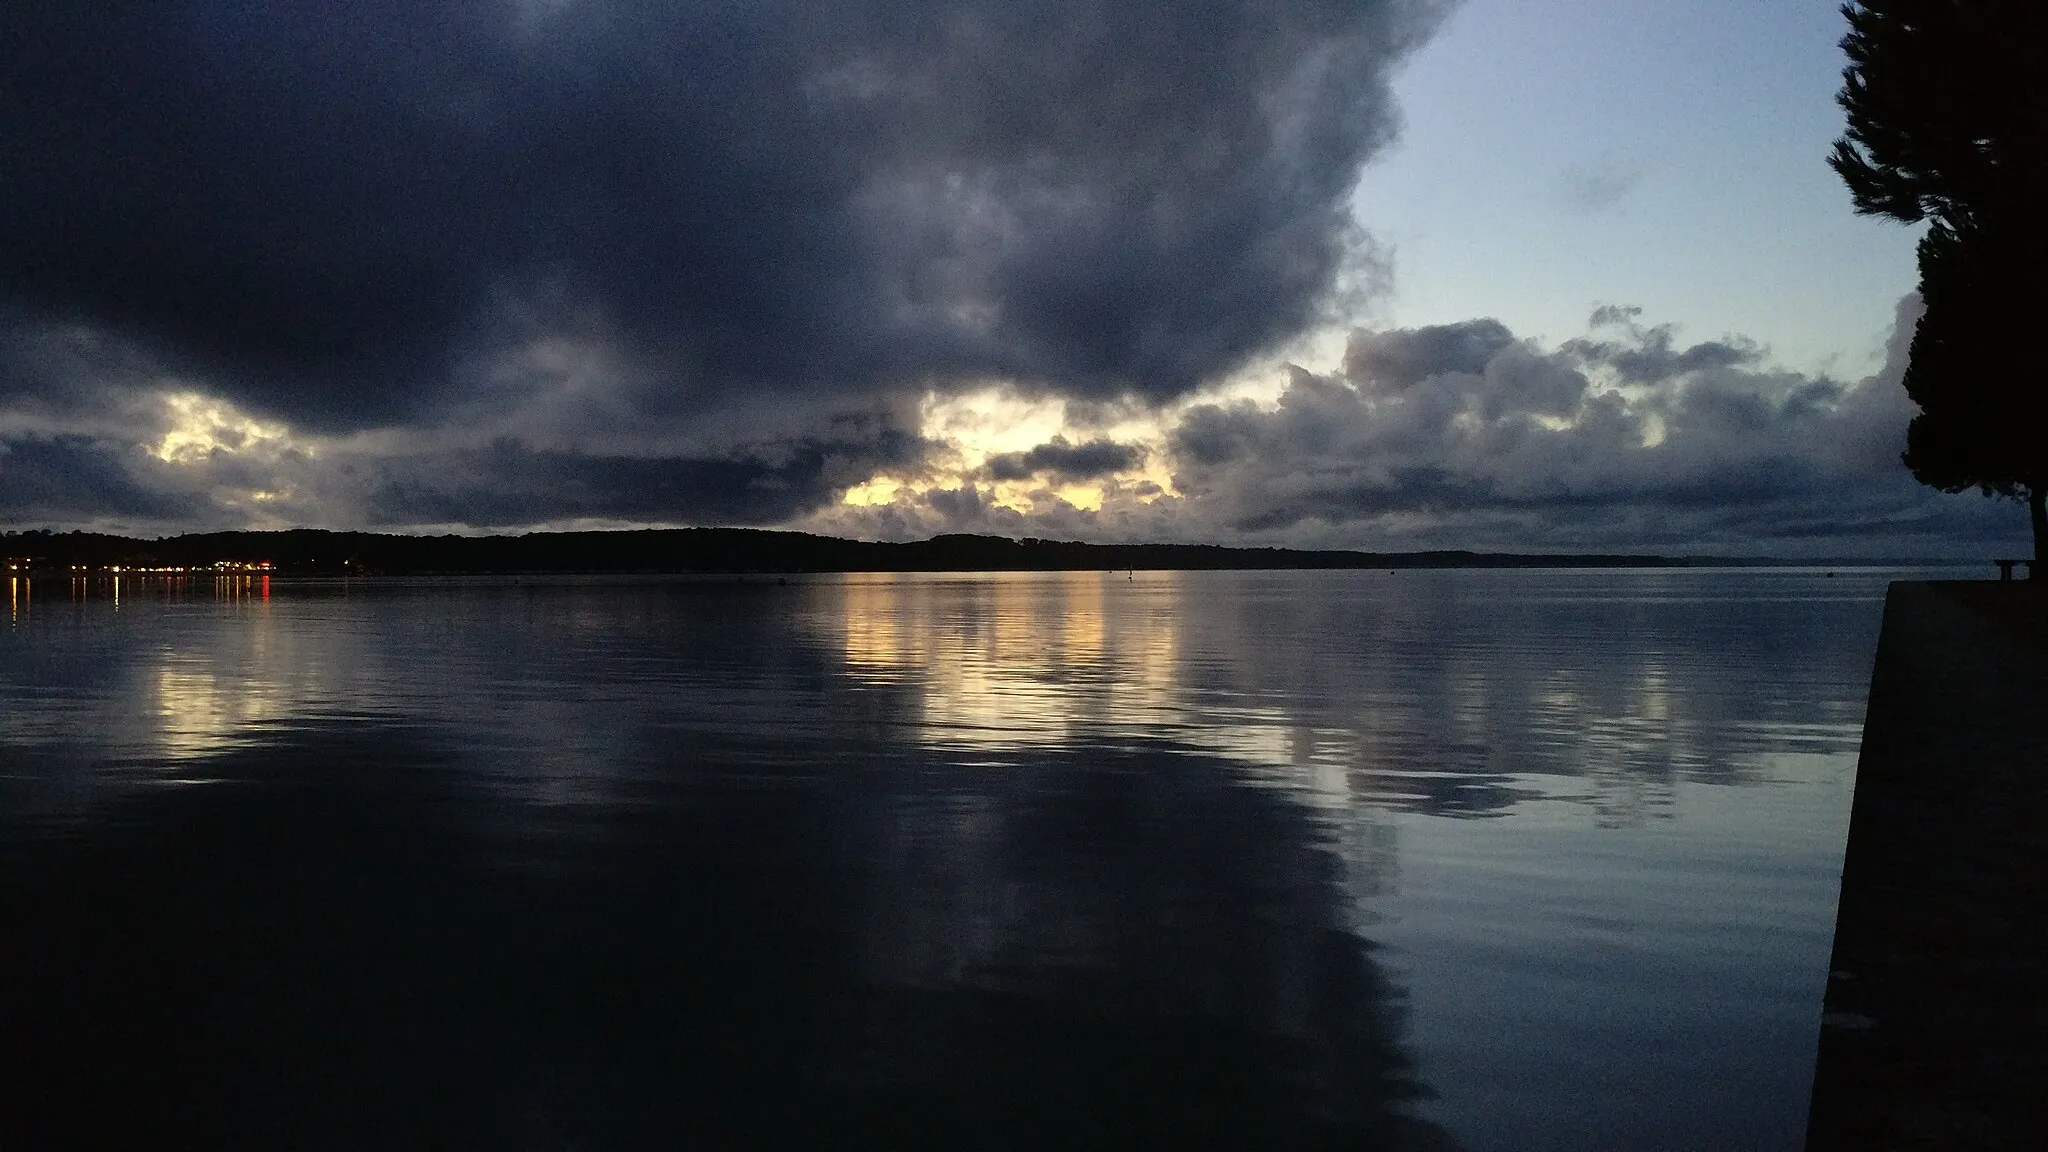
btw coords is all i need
(342, 938)
(1355, 688)
(1004, 801)
(1342, 689)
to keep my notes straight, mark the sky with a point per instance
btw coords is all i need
(1388, 274)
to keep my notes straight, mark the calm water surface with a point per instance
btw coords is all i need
(1433, 859)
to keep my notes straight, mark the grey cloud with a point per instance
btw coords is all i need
(1520, 379)
(1212, 434)
(1066, 461)
(1399, 359)
(1625, 442)
(1598, 186)
(1092, 414)
(958, 506)
(1526, 449)
(1648, 355)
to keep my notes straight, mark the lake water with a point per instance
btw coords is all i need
(1428, 859)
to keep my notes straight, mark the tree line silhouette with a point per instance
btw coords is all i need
(728, 550)
(1948, 123)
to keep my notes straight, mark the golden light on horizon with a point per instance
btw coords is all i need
(1086, 497)
(201, 425)
(880, 490)
(978, 426)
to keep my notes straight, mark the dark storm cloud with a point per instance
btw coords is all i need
(1066, 461)
(324, 210)
(510, 484)
(61, 480)
(60, 370)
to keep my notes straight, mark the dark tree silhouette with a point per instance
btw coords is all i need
(1948, 123)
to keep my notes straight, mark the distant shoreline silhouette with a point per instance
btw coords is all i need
(729, 550)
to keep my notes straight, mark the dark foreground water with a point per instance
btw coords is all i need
(1510, 860)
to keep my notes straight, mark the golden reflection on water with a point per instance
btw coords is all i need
(1010, 662)
(200, 711)
(206, 693)
(1003, 666)
(1361, 691)
(995, 660)
(208, 702)
(1337, 710)
(194, 667)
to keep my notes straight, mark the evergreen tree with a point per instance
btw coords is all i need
(1948, 123)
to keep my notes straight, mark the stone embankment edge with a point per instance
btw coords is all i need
(1934, 1032)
